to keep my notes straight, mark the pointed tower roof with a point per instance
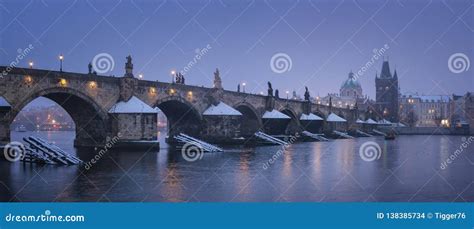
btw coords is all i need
(385, 73)
(395, 74)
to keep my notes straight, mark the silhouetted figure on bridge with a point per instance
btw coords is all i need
(277, 94)
(238, 87)
(217, 79)
(306, 94)
(90, 68)
(129, 67)
(179, 78)
(270, 89)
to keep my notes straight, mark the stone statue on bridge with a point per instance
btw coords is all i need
(277, 94)
(90, 68)
(238, 87)
(217, 79)
(270, 89)
(129, 67)
(306, 94)
(179, 78)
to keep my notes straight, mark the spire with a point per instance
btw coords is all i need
(395, 76)
(385, 73)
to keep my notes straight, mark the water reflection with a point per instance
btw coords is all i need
(408, 170)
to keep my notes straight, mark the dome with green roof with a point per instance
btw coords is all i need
(351, 87)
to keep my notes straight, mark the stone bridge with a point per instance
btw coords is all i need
(88, 98)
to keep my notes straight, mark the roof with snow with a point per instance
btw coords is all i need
(370, 121)
(221, 109)
(334, 118)
(359, 121)
(274, 114)
(3, 102)
(311, 116)
(133, 105)
(400, 124)
(384, 121)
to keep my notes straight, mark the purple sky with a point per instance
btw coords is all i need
(324, 39)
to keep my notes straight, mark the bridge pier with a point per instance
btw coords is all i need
(4, 132)
(90, 133)
(4, 124)
(222, 129)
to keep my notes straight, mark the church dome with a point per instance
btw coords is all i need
(351, 82)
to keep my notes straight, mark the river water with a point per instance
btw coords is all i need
(408, 169)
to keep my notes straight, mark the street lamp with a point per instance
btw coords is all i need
(173, 73)
(287, 93)
(243, 84)
(61, 58)
(140, 76)
(30, 64)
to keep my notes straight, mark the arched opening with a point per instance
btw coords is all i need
(181, 117)
(78, 116)
(293, 126)
(45, 119)
(250, 122)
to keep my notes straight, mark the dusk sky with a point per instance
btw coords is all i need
(324, 39)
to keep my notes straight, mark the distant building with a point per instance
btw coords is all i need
(350, 93)
(386, 94)
(351, 88)
(469, 107)
(461, 111)
(424, 110)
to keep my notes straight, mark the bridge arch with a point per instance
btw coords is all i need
(294, 125)
(251, 119)
(182, 116)
(89, 117)
(320, 114)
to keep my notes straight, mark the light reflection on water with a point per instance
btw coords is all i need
(408, 170)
